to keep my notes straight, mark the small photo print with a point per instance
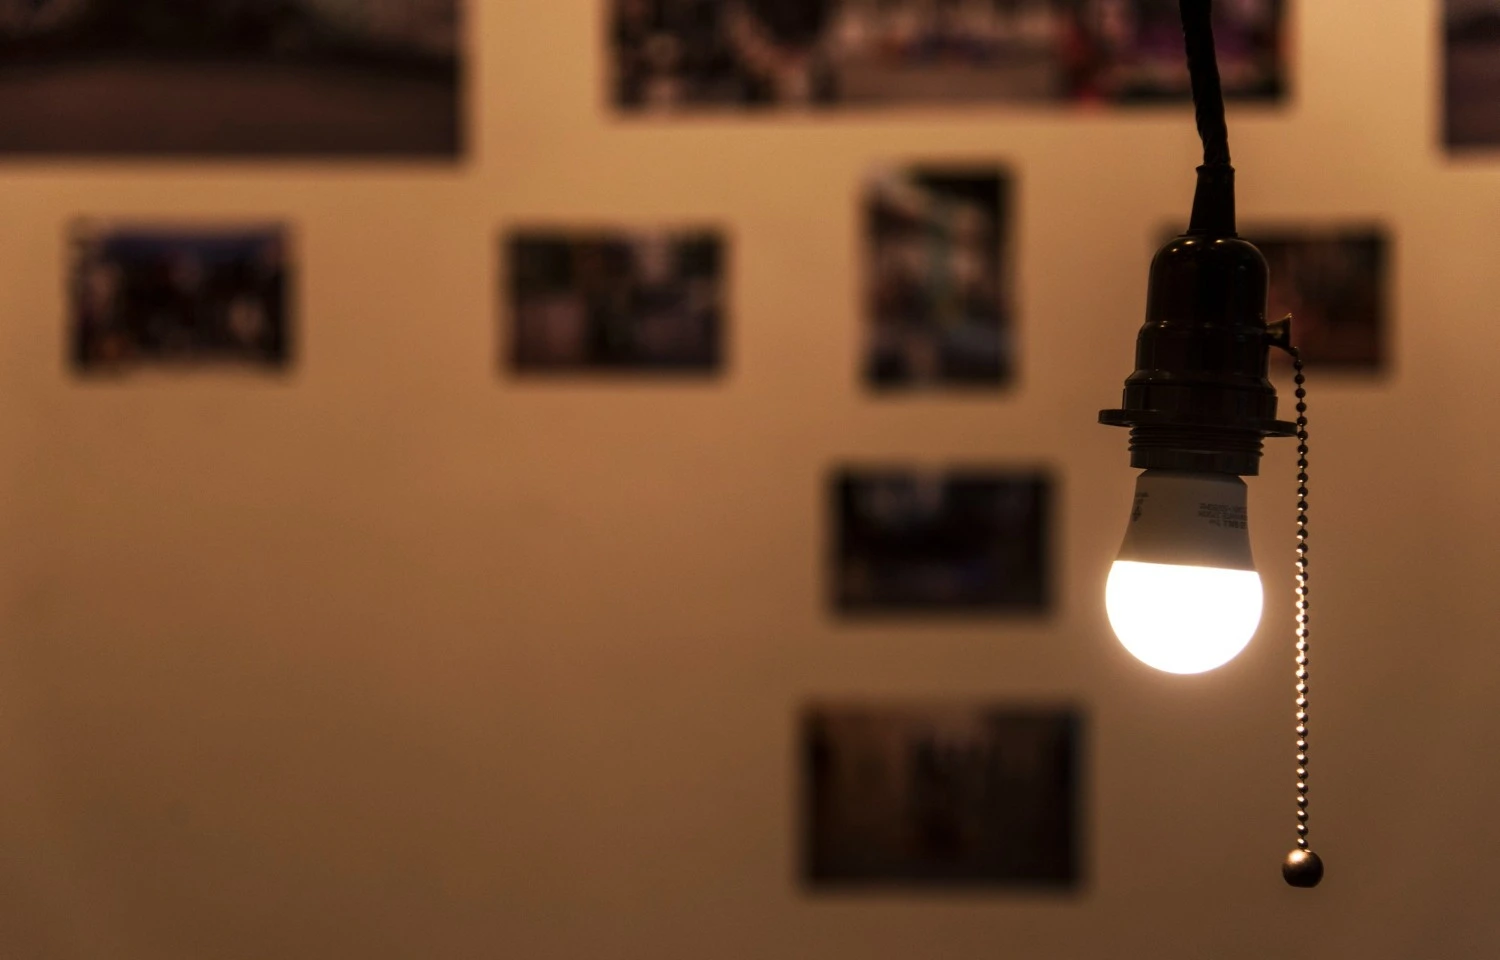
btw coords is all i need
(927, 542)
(231, 78)
(1471, 77)
(179, 296)
(938, 278)
(941, 795)
(629, 302)
(1334, 284)
(684, 55)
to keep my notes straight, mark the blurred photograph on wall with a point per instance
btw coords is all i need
(673, 55)
(255, 78)
(938, 279)
(650, 301)
(179, 296)
(1334, 284)
(1471, 77)
(923, 541)
(941, 794)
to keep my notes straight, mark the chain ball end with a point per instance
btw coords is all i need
(1302, 868)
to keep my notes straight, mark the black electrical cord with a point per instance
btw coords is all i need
(1213, 203)
(1203, 71)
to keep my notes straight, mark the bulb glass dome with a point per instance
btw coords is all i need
(1182, 619)
(1183, 596)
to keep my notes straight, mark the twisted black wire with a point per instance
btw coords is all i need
(1203, 72)
(1213, 201)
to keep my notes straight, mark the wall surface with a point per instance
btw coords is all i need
(399, 657)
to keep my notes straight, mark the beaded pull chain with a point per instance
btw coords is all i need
(1302, 867)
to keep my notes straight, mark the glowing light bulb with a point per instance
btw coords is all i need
(1183, 595)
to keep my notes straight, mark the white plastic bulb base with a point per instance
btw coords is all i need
(1183, 596)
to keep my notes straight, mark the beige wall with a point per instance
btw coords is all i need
(398, 658)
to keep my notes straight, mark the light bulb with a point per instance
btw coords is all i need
(1183, 595)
